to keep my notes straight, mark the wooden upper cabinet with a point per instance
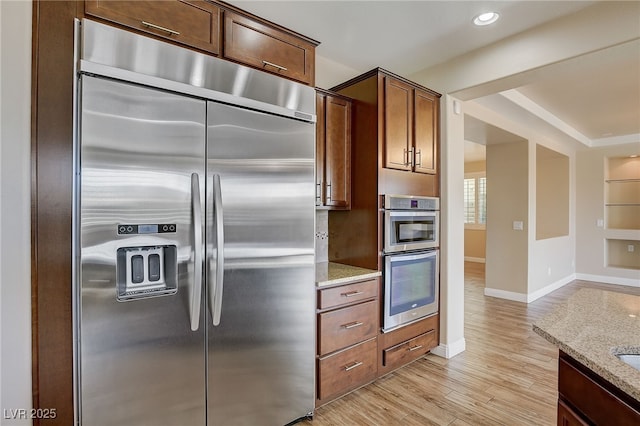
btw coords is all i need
(426, 107)
(194, 23)
(333, 151)
(271, 49)
(411, 127)
(398, 120)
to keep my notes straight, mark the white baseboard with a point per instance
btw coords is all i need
(474, 259)
(609, 280)
(449, 351)
(550, 288)
(503, 294)
(528, 298)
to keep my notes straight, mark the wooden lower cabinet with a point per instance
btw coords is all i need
(349, 369)
(586, 398)
(406, 344)
(567, 417)
(348, 319)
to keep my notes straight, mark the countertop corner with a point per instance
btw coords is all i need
(591, 327)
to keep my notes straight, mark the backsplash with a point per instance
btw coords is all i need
(322, 236)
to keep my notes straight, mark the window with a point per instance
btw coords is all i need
(475, 200)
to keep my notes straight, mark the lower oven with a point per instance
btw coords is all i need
(411, 287)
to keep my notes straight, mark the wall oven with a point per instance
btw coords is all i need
(410, 223)
(411, 266)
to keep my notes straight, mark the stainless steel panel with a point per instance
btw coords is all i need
(140, 363)
(261, 357)
(110, 51)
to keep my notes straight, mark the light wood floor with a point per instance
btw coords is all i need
(506, 376)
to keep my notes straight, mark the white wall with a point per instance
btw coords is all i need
(452, 339)
(15, 256)
(507, 201)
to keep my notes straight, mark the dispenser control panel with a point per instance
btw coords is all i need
(149, 228)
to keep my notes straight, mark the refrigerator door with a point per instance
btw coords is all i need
(141, 174)
(261, 348)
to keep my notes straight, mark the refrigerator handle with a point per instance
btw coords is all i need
(215, 293)
(196, 291)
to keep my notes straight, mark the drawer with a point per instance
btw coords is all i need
(351, 293)
(409, 350)
(347, 326)
(270, 49)
(194, 23)
(347, 370)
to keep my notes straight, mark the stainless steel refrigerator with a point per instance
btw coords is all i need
(195, 209)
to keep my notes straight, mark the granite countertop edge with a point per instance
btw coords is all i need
(332, 273)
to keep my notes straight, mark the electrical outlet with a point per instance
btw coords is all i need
(631, 248)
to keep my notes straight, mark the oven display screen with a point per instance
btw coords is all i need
(413, 284)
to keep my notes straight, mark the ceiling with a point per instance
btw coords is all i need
(596, 99)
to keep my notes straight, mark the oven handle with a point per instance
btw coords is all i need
(401, 257)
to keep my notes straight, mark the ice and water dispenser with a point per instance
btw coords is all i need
(149, 270)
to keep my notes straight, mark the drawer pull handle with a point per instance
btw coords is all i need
(158, 27)
(352, 293)
(271, 64)
(352, 325)
(415, 348)
(352, 366)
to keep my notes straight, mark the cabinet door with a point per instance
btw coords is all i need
(267, 48)
(194, 23)
(337, 152)
(320, 148)
(425, 132)
(398, 122)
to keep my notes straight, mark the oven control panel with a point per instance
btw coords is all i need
(407, 202)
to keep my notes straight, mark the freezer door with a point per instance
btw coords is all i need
(141, 174)
(261, 350)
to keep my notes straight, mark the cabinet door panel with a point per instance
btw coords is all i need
(398, 113)
(320, 158)
(345, 294)
(338, 151)
(195, 23)
(425, 137)
(341, 372)
(347, 326)
(267, 48)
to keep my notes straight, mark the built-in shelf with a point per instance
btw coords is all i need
(623, 254)
(622, 193)
(622, 212)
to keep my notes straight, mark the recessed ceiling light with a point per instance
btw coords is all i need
(486, 18)
(633, 156)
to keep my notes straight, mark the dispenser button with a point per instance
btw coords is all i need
(137, 269)
(154, 267)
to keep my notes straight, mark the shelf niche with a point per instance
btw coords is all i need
(622, 193)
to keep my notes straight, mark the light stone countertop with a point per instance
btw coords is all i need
(330, 273)
(594, 325)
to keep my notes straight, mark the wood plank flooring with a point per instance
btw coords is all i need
(506, 376)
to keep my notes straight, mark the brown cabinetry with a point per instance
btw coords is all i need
(333, 150)
(204, 25)
(254, 43)
(348, 327)
(406, 344)
(394, 150)
(587, 398)
(194, 23)
(411, 128)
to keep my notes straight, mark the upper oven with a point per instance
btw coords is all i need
(410, 223)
